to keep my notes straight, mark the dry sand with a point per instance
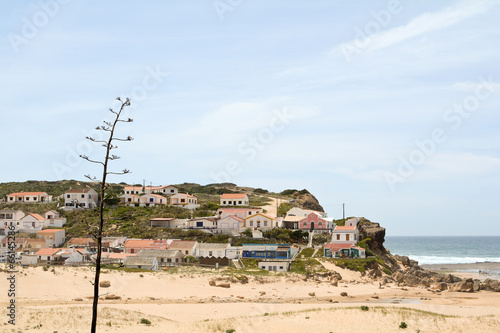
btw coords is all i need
(185, 302)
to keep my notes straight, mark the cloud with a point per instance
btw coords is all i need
(425, 23)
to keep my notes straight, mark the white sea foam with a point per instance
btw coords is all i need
(429, 260)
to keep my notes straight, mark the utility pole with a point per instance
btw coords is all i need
(343, 212)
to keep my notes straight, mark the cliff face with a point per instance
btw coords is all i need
(307, 201)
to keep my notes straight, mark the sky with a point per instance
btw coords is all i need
(391, 107)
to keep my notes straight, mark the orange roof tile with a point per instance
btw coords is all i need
(49, 231)
(233, 196)
(79, 241)
(344, 228)
(338, 246)
(180, 244)
(36, 216)
(47, 252)
(27, 193)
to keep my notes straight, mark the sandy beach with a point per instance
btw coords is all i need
(60, 300)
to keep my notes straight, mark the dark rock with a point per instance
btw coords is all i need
(343, 294)
(451, 279)
(464, 286)
(104, 284)
(491, 285)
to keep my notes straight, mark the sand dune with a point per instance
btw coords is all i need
(48, 301)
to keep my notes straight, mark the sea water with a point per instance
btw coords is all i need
(446, 250)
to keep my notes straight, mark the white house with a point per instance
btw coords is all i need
(53, 237)
(353, 221)
(32, 223)
(184, 200)
(168, 189)
(164, 258)
(296, 211)
(152, 200)
(11, 217)
(260, 221)
(345, 234)
(29, 197)
(275, 266)
(234, 199)
(149, 263)
(47, 254)
(217, 250)
(231, 222)
(203, 222)
(54, 219)
(234, 252)
(242, 213)
(187, 248)
(80, 198)
(129, 199)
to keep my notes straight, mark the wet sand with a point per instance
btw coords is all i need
(480, 271)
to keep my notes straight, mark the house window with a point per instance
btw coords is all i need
(68, 196)
(187, 252)
(251, 223)
(305, 225)
(223, 202)
(265, 223)
(347, 237)
(338, 236)
(320, 224)
(27, 198)
(354, 237)
(209, 253)
(172, 191)
(83, 196)
(239, 202)
(34, 198)
(11, 198)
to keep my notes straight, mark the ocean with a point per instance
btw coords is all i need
(446, 250)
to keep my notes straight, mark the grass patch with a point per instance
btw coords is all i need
(306, 266)
(307, 252)
(355, 264)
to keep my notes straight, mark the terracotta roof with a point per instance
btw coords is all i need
(120, 255)
(267, 216)
(338, 246)
(36, 216)
(136, 243)
(238, 210)
(180, 244)
(79, 241)
(78, 190)
(26, 193)
(19, 240)
(47, 252)
(233, 196)
(236, 218)
(48, 231)
(344, 228)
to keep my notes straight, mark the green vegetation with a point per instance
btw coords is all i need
(307, 252)
(403, 325)
(284, 208)
(365, 244)
(364, 308)
(355, 264)
(145, 321)
(287, 236)
(306, 266)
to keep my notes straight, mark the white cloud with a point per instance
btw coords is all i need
(425, 23)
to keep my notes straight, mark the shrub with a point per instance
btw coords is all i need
(231, 330)
(45, 268)
(364, 308)
(403, 325)
(145, 321)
